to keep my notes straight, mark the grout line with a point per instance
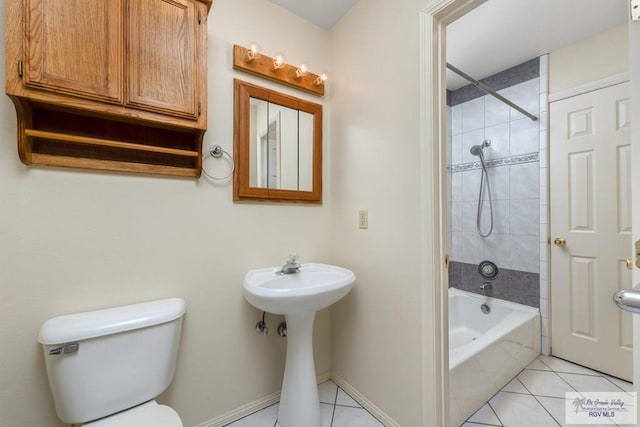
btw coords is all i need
(494, 411)
(608, 379)
(348, 406)
(540, 403)
(482, 424)
(335, 399)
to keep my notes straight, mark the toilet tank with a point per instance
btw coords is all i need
(105, 361)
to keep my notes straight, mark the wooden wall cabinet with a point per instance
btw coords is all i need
(109, 84)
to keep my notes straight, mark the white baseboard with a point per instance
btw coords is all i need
(250, 408)
(366, 403)
(241, 412)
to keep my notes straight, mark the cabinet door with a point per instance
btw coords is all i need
(162, 63)
(75, 47)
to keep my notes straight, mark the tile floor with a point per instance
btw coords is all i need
(535, 398)
(337, 409)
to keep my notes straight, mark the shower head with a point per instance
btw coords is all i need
(476, 150)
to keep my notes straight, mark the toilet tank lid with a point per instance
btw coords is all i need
(92, 324)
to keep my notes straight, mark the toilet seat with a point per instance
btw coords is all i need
(149, 414)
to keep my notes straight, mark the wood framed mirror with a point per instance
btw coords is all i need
(277, 146)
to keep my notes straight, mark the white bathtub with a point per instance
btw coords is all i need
(486, 351)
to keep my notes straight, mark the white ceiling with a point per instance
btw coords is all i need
(323, 13)
(503, 33)
(500, 33)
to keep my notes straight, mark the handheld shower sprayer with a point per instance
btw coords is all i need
(477, 150)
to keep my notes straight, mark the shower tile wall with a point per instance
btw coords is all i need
(513, 161)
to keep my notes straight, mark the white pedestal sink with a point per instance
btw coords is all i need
(298, 296)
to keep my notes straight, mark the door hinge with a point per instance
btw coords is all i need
(446, 261)
(199, 108)
(20, 68)
(635, 10)
(199, 17)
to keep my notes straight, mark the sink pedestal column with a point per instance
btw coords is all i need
(299, 402)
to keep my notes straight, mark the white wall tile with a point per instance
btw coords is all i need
(544, 285)
(456, 119)
(524, 181)
(501, 215)
(456, 149)
(545, 347)
(544, 251)
(470, 185)
(542, 101)
(543, 193)
(473, 115)
(456, 186)
(499, 136)
(524, 253)
(544, 307)
(543, 158)
(527, 96)
(543, 140)
(496, 248)
(544, 327)
(544, 216)
(456, 246)
(544, 63)
(524, 217)
(455, 215)
(500, 178)
(525, 136)
(469, 211)
(496, 112)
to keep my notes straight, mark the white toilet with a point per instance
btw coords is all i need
(105, 367)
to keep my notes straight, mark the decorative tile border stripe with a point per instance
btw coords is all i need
(494, 163)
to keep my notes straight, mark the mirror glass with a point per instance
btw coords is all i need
(278, 144)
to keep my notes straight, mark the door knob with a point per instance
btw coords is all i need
(560, 241)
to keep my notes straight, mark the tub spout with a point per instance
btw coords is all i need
(486, 285)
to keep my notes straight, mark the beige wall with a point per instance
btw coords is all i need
(73, 241)
(374, 159)
(594, 58)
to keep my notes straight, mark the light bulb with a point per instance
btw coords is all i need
(278, 62)
(253, 52)
(321, 79)
(301, 70)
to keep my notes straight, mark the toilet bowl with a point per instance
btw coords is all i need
(106, 367)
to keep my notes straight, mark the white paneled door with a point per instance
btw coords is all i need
(590, 181)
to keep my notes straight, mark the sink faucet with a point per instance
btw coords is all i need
(291, 266)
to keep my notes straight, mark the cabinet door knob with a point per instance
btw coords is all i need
(560, 241)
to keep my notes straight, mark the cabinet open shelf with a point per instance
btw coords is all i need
(54, 137)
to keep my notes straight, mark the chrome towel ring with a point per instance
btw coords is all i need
(216, 152)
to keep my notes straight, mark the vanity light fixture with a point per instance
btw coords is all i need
(276, 69)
